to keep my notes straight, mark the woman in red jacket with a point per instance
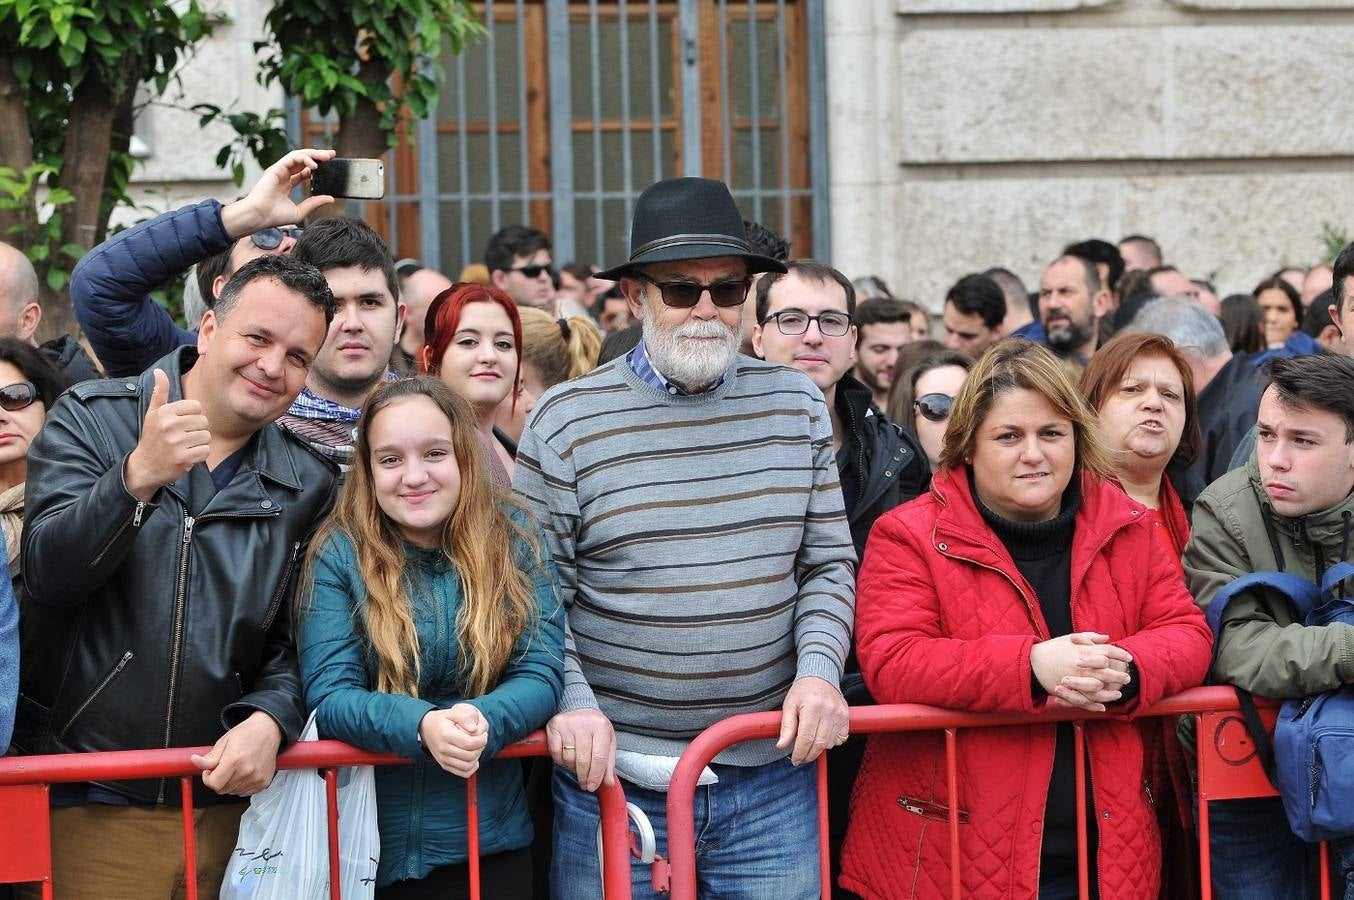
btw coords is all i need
(1025, 579)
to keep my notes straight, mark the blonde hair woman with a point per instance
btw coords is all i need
(430, 628)
(1026, 579)
(556, 350)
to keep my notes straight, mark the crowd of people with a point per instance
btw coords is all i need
(624, 504)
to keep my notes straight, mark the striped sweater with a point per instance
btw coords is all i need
(702, 548)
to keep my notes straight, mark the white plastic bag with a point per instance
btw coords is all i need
(359, 838)
(282, 850)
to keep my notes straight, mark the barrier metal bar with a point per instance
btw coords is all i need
(331, 814)
(1083, 840)
(891, 718)
(24, 782)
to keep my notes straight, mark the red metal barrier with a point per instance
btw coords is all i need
(25, 812)
(1228, 769)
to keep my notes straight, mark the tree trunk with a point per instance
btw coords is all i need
(83, 173)
(16, 141)
(360, 135)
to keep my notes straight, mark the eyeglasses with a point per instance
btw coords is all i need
(271, 238)
(534, 271)
(686, 294)
(795, 321)
(17, 396)
(934, 407)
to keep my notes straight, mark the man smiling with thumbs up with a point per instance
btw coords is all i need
(168, 518)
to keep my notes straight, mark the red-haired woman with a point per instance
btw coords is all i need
(472, 340)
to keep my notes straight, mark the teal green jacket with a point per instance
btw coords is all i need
(421, 807)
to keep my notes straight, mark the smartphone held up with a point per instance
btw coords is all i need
(359, 179)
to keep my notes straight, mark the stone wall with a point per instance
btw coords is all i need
(972, 133)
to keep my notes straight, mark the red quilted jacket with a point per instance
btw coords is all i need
(943, 617)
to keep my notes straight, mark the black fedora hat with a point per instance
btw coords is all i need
(688, 218)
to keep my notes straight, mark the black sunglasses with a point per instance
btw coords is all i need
(17, 396)
(271, 238)
(934, 407)
(686, 294)
(534, 271)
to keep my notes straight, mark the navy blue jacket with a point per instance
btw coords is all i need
(111, 285)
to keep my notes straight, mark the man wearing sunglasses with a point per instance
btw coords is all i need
(112, 284)
(519, 263)
(691, 501)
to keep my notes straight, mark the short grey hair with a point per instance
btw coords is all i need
(194, 307)
(1193, 329)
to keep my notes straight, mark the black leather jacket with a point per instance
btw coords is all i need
(158, 624)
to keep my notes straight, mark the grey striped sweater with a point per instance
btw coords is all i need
(702, 548)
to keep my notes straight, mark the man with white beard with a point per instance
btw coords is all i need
(691, 501)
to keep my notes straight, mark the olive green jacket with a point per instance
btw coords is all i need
(1263, 647)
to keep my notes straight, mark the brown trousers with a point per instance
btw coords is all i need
(102, 852)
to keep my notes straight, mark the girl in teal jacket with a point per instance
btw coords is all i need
(429, 627)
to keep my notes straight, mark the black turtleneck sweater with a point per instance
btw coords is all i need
(1042, 552)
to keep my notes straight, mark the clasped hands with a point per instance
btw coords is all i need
(1082, 670)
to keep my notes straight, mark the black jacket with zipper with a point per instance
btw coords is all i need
(160, 624)
(887, 463)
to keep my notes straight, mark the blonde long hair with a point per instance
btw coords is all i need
(497, 606)
(559, 349)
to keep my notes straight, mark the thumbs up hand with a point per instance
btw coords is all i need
(174, 438)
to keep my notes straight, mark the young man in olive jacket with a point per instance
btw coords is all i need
(1289, 509)
(167, 519)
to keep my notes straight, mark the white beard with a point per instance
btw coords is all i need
(692, 365)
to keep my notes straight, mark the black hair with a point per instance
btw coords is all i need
(208, 270)
(808, 270)
(1343, 269)
(767, 242)
(979, 295)
(34, 367)
(1278, 284)
(1318, 380)
(1241, 323)
(1098, 251)
(510, 241)
(1013, 288)
(344, 241)
(879, 312)
(1318, 313)
(294, 274)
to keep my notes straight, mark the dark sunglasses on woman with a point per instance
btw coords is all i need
(934, 407)
(17, 396)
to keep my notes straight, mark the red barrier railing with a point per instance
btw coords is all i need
(1228, 769)
(25, 812)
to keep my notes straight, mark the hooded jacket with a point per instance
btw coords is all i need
(1263, 646)
(944, 617)
(161, 623)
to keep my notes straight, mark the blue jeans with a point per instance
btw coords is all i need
(756, 835)
(1256, 856)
